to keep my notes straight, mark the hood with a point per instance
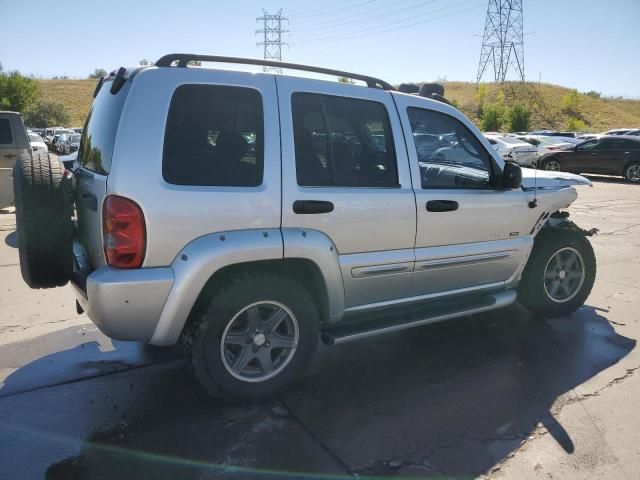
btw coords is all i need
(549, 179)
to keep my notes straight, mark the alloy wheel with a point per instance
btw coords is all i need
(259, 341)
(564, 275)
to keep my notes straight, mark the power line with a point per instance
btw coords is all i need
(308, 11)
(358, 19)
(272, 37)
(314, 17)
(503, 40)
(378, 29)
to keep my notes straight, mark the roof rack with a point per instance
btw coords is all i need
(184, 58)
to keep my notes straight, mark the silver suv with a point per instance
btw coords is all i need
(250, 215)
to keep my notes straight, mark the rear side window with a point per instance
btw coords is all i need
(5, 132)
(342, 142)
(99, 134)
(214, 137)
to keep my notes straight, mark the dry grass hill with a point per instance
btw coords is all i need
(544, 101)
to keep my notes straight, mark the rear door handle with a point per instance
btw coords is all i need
(310, 207)
(442, 205)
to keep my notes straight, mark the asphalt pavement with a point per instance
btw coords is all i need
(501, 395)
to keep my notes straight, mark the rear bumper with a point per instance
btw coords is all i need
(124, 304)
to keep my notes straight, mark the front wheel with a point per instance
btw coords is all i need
(551, 164)
(250, 339)
(632, 172)
(559, 274)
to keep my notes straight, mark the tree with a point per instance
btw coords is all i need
(17, 92)
(146, 63)
(491, 118)
(345, 80)
(47, 113)
(519, 118)
(98, 73)
(571, 101)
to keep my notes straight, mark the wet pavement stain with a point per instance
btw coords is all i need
(450, 399)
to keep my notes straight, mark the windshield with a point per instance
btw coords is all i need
(74, 138)
(34, 137)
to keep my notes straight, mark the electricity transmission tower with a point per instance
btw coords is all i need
(502, 42)
(272, 42)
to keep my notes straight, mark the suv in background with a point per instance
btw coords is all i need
(14, 144)
(248, 215)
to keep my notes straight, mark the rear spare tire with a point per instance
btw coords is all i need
(43, 221)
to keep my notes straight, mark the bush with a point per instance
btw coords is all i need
(518, 118)
(571, 101)
(46, 113)
(17, 92)
(491, 118)
(575, 125)
(593, 94)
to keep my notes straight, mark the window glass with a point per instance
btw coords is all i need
(214, 137)
(5, 132)
(342, 142)
(99, 135)
(449, 155)
(588, 145)
(623, 144)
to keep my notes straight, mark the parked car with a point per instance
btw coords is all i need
(52, 135)
(622, 131)
(554, 133)
(250, 257)
(14, 144)
(68, 161)
(610, 155)
(514, 148)
(77, 129)
(37, 143)
(68, 143)
(546, 144)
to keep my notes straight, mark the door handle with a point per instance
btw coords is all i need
(312, 206)
(442, 205)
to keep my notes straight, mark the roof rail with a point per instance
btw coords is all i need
(184, 58)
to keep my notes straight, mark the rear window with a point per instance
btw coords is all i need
(214, 137)
(99, 134)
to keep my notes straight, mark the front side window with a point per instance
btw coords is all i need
(589, 145)
(5, 132)
(342, 142)
(449, 155)
(214, 137)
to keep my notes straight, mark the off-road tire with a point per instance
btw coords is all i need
(531, 290)
(43, 221)
(627, 176)
(203, 334)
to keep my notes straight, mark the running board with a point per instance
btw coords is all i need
(431, 313)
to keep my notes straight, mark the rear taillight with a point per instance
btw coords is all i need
(124, 232)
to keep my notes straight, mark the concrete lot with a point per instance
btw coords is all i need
(496, 396)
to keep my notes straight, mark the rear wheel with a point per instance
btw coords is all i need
(559, 274)
(43, 221)
(632, 172)
(250, 338)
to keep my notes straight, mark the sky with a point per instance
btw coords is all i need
(583, 44)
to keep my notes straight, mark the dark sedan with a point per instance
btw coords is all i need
(608, 155)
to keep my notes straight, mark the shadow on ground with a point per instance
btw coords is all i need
(12, 240)
(449, 399)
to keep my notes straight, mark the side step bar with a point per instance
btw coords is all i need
(429, 314)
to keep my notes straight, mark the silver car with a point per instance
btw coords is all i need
(250, 215)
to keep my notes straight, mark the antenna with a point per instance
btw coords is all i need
(272, 40)
(502, 41)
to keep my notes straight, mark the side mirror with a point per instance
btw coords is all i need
(511, 175)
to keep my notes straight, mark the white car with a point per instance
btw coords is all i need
(546, 144)
(37, 143)
(515, 149)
